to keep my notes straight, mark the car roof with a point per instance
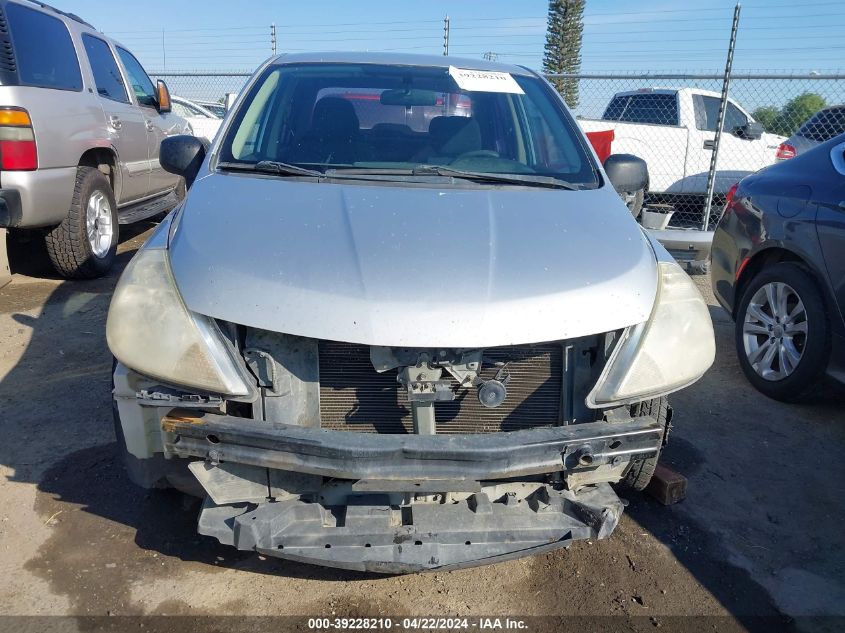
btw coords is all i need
(401, 59)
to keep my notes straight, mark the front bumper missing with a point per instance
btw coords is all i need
(372, 532)
(374, 536)
(371, 456)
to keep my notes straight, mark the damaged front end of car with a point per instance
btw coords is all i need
(391, 458)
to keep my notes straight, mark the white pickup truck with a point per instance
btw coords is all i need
(674, 131)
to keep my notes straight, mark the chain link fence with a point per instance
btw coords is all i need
(670, 120)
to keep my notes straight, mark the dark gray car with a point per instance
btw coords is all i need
(778, 266)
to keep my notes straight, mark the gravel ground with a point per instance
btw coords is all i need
(760, 533)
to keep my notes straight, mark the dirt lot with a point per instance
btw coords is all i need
(760, 533)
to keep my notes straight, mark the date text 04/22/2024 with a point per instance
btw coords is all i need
(416, 624)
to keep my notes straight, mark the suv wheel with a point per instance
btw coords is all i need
(782, 334)
(84, 245)
(640, 471)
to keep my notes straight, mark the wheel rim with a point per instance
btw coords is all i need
(99, 224)
(774, 331)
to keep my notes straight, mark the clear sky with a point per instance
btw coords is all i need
(618, 35)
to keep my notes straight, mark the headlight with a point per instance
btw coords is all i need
(670, 351)
(150, 330)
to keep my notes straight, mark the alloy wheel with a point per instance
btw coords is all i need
(99, 224)
(774, 331)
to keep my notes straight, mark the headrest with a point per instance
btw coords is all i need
(334, 116)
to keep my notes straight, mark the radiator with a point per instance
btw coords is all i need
(354, 397)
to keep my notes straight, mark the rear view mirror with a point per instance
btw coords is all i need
(626, 172)
(182, 155)
(408, 97)
(750, 131)
(163, 97)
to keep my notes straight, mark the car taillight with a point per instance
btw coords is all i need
(729, 200)
(785, 150)
(17, 140)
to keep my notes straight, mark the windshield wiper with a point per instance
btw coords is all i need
(514, 179)
(272, 167)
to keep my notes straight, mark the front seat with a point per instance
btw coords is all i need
(333, 135)
(451, 136)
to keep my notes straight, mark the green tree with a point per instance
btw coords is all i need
(767, 116)
(563, 45)
(797, 111)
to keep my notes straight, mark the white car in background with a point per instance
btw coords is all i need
(204, 122)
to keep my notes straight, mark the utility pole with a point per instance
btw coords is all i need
(273, 37)
(163, 52)
(723, 106)
(491, 56)
(446, 35)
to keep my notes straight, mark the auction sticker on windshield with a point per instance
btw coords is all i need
(484, 80)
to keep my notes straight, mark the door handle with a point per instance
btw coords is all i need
(114, 122)
(149, 125)
(709, 144)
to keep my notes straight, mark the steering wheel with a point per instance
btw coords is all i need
(478, 153)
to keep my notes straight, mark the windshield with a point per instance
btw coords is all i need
(391, 119)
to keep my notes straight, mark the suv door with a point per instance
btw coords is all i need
(159, 125)
(125, 123)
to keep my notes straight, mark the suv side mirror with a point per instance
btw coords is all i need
(182, 155)
(750, 131)
(163, 97)
(626, 172)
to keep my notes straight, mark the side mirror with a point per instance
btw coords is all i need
(750, 131)
(163, 97)
(626, 172)
(230, 100)
(182, 155)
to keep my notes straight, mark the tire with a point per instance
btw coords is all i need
(782, 377)
(84, 245)
(640, 471)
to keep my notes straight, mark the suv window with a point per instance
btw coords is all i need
(141, 84)
(43, 49)
(106, 73)
(824, 125)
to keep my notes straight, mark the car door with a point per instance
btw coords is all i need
(829, 195)
(159, 126)
(126, 125)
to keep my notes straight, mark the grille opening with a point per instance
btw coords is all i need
(354, 397)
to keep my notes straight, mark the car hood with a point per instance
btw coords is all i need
(416, 266)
